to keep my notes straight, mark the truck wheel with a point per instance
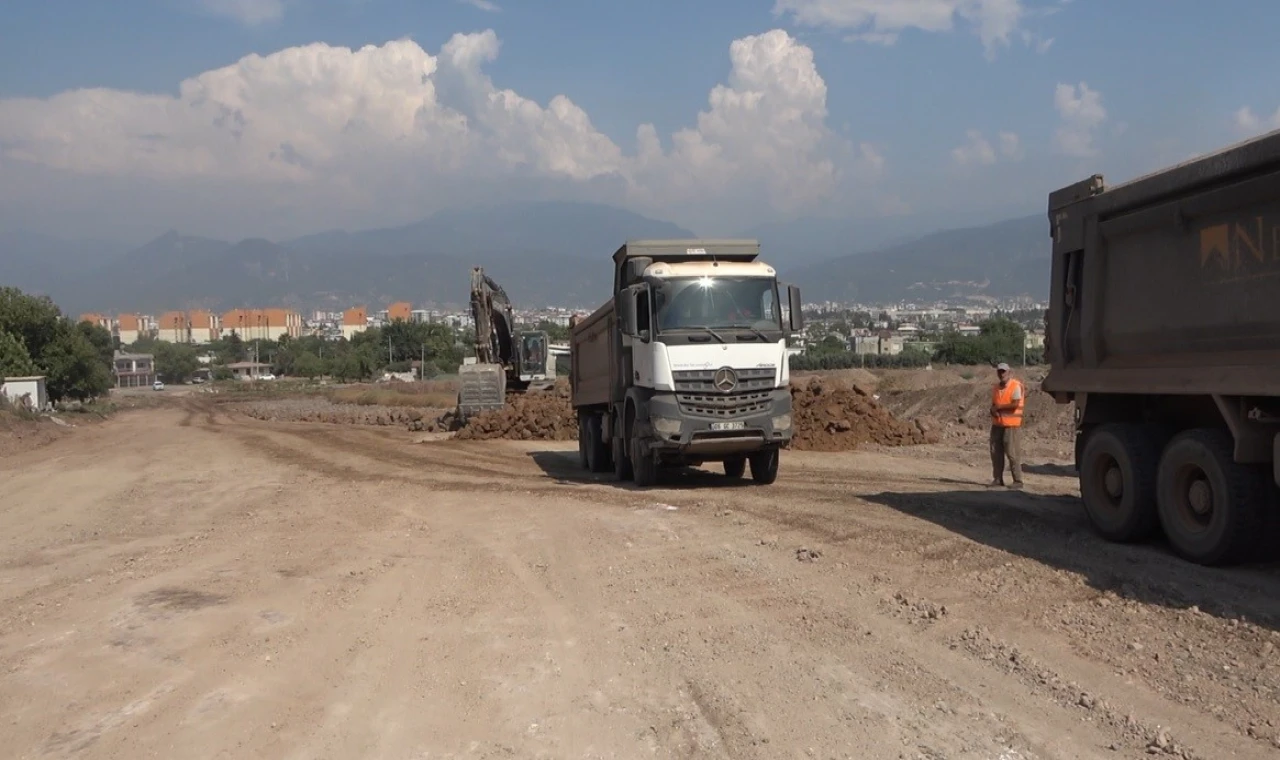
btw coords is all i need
(736, 467)
(621, 462)
(597, 448)
(1212, 509)
(764, 466)
(644, 468)
(1117, 467)
(583, 442)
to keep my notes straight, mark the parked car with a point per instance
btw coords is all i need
(157, 386)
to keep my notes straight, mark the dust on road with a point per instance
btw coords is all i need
(181, 582)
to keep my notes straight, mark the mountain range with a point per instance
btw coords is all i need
(543, 253)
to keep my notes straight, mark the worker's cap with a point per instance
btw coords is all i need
(1002, 367)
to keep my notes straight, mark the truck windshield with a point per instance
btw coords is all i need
(698, 302)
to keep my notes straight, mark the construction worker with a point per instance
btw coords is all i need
(1007, 401)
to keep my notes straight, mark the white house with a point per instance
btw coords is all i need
(25, 391)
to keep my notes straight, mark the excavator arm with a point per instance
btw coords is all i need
(504, 360)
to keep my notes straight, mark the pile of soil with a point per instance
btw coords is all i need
(19, 433)
(830, 418)
(532, 416)
(963, 409)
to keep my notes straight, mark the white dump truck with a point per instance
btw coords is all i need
(686, 363)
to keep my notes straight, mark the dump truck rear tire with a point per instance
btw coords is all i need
(1117, 467)
(735, 467)
(1212, 509)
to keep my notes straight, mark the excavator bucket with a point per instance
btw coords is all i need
(481, 387)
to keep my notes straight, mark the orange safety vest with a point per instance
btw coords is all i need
(1004, 397)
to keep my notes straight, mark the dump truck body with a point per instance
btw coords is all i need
(1164, 330)
(686, 363)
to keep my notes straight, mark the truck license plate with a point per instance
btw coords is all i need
(728, 425)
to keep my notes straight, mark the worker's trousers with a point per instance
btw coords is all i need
(1006, 442)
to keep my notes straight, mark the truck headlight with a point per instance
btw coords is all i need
(782, 422)
(666, 427)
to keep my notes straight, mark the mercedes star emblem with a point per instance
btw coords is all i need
(725, 379)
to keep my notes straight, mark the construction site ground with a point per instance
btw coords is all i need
(185, 580)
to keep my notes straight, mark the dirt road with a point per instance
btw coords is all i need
(182, 583)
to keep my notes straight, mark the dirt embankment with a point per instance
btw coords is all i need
(834, 418)
(827, 417)
(961, 410)
(21, 433)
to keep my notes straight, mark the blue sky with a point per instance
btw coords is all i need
(1170, 78)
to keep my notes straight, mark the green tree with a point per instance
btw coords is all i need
(308, 365)
(999, 339)
(32, 319)
(65, 353)
(176, 362)
(72, 365)
(14, 359)
(100, 339)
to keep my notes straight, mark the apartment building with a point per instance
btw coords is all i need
(99, 320)
(198, 327)
(262, 324)
(354, 320)
(130, 327)
(401, 310)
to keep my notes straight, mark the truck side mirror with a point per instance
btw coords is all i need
(795, 308)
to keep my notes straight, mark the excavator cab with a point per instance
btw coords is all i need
(533, 355)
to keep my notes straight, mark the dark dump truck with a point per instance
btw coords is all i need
(1164, 330)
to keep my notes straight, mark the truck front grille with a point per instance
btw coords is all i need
(723, 405)
(701, 380)
(697, 395)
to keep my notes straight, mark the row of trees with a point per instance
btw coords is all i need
(1000, 339)
(36, 339)
(393, 347)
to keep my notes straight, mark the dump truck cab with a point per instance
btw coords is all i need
(688, 362)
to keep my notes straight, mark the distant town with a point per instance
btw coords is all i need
(870, 333)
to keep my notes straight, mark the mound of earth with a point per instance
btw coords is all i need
(532, 416)
(964, 410)
(841, 419)
(20, 433)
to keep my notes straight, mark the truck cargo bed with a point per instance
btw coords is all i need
(592, 364)
(1170, 283)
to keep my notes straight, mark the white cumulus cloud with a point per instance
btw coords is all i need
(1081, 112)
(881, 21)
(326, 135)
(978, 150)
(1249, 122)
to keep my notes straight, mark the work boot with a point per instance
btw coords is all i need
(1017, 485)
(996, 484)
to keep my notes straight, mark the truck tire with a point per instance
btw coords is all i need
(644, 468)
(735, 467)
(764, 466)
(598, 449)
(1212, 509)
(1117, 471)
(583, 442)
(621, 462)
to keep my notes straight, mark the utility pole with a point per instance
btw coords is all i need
(422, 365)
